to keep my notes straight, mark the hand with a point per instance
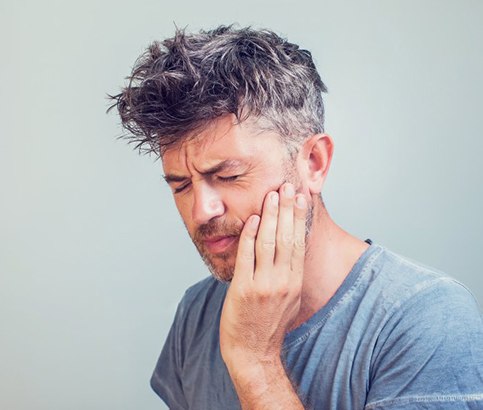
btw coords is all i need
(263, 299)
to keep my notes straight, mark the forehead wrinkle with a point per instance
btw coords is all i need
(180, 152)
(222, 165)
(194, 145)
(206, 167)
(195, 151)
(200, 156)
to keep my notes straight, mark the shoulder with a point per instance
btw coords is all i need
(431, 337)
(417, 296)
(200, 306)
(400, 282)
(202, 292)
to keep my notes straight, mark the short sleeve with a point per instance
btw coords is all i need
(166, 381)
(429, 355)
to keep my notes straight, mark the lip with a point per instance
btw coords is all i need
(219, 244)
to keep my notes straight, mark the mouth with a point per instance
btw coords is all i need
(219, 244)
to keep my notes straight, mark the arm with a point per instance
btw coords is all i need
(263, 384)
(263, 301)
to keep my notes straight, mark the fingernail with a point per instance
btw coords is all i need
(300, 201)
(274, 198)
(289, 191)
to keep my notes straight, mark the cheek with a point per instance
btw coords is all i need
(254, 199)
(243, 205)
(258, 202)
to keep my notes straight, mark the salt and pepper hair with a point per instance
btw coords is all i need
(178, 86)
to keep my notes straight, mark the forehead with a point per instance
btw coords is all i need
(223, 139)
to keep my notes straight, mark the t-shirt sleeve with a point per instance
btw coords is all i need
(429, 355)
(166, 380)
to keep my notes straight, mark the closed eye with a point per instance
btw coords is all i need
(181, 188)
(224, 179)
(228, 178)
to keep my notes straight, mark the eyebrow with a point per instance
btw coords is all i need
(222, 166)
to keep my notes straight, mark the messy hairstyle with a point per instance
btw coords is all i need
(181, 84)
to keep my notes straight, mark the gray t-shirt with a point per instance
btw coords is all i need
(396, 335)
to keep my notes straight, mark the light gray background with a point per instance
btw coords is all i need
(93, 256)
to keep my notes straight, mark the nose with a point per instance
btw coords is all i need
(207, 204)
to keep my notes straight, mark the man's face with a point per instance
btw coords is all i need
(219, 179)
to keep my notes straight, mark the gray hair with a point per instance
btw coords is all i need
(181, 84)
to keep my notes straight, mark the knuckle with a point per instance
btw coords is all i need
(284, 290)
(263, 292)
(267, 245)
(299, 242)
(242, 292)
(245, 254)
(287, 289)
(247, 295)
(287, 239)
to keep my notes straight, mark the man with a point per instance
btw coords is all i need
(298, 313)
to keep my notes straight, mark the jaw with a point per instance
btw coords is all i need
(223, 273)
(221, 265)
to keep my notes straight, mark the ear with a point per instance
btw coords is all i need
(314, 161)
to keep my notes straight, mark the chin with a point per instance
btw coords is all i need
(221, 270)
(222, 273)
(221, 265)
(222, 276)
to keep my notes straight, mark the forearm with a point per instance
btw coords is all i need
(263, 384)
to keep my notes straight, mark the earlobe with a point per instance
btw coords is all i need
(317, 155)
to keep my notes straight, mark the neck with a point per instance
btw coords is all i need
(331, 254)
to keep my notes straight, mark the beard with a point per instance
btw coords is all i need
(222, 265)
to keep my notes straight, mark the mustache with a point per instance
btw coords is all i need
(217, 228)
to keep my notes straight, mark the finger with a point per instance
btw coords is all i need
(265, 242)
(285, 227)
(300, 217)
(245, 257)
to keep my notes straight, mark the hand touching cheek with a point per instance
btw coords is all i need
(263, 299)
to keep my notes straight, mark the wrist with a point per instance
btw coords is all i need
(242, 361)
(254, 371)
(263, 383)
